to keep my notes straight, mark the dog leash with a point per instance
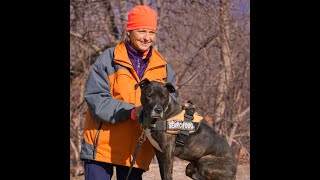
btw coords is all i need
(142, 138)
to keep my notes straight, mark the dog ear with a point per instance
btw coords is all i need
(171, 88)
(142, 83)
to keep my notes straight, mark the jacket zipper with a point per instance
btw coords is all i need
(95, 145)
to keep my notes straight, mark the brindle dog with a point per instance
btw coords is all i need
(210, 156)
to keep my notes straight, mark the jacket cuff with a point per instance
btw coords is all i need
(132, 116)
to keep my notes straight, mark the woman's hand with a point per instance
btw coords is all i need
(135, 112)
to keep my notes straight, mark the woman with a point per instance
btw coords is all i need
(111, 129)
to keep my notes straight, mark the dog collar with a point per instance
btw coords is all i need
(145, 121)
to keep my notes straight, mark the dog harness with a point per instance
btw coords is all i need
(179, 123)
(183, 124)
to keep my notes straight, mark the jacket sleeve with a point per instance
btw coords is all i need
(171, 78)
(97, 95)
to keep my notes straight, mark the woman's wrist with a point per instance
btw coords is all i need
(132, 115)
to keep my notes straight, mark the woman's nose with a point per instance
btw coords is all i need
(146, 36)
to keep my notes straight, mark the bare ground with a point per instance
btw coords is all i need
(243, 172)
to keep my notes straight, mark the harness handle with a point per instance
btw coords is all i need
(188, 117)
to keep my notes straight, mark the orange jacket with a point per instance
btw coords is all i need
(109, 133)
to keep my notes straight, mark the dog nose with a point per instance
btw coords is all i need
(158, 109)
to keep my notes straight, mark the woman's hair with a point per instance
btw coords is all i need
(126, 36)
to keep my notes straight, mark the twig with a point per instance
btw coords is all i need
(245, 150)
(233, 130)
(79, 36)
(240, 135)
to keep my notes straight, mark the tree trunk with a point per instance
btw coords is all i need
(225, 76)
(78, 167)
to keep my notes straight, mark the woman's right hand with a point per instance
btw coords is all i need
(135, 112)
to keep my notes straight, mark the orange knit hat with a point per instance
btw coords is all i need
(142, 16)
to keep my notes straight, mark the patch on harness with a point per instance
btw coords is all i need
(180, 125)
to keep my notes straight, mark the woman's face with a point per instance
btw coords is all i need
(141, 39)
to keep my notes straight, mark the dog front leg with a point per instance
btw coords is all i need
(165, 158)
(161, 162)
(168, 156)
(165, 161)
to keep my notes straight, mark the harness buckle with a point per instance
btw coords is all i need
(188, 117)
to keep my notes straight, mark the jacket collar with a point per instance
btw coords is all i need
(121, 57)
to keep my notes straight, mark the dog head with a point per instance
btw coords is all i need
(155, 97)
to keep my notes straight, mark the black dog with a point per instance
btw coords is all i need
(210, 156)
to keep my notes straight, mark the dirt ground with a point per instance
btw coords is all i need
(179, 166)
(243, 172)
